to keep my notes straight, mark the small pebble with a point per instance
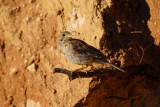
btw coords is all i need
(51, 49)
(38, 19)
(26, 19)
(13, 70)
(32, 68)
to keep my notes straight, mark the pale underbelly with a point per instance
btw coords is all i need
(79, 59)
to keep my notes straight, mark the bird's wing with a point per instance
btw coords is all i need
(83, 48)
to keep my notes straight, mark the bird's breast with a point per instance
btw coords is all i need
(74, 56)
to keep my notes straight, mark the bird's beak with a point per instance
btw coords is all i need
(69, 35)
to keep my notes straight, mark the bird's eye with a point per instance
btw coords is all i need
(63, 34)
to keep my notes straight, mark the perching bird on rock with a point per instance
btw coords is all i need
(79, 52)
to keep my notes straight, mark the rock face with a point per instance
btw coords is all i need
(126, 31)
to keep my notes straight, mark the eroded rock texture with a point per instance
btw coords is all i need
(126, 31)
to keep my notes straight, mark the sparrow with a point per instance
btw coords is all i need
(79, 52)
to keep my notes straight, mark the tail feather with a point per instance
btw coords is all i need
(115, 66)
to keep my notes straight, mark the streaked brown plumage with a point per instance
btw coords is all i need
(79, 52)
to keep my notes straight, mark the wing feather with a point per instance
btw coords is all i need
(85, 49)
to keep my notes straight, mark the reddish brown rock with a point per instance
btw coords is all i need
(126, 31)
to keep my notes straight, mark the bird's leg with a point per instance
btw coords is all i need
(92, 67)
(83, 67)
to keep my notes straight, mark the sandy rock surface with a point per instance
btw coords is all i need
(126, 31)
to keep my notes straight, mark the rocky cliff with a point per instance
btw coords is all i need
(126, 31)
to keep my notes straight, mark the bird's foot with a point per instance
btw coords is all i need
(79, 69)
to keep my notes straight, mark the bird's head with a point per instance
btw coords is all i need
(64, 36)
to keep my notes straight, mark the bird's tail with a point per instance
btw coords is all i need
(115, 66)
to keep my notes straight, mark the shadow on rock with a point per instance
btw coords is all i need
(85, 74)
(138, 87)
(125, 25)
(99, 73)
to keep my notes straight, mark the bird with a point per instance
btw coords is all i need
(81, 53)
